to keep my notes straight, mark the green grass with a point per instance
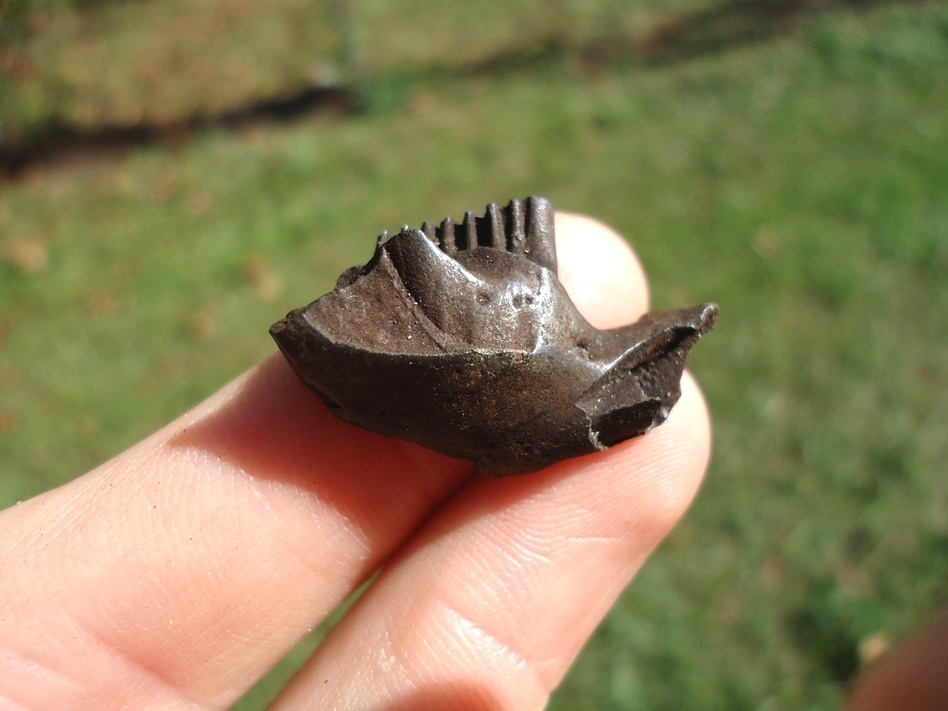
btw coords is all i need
(86, 64)
(802, 183)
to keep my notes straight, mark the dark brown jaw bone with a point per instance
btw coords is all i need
(461, 338)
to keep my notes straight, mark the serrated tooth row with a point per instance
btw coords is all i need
(522, 227)
(499, 228)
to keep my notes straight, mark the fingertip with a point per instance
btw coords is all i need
(600, 271)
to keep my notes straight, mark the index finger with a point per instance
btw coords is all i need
(180, 571)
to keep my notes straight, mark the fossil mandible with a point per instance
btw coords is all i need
(461, 338)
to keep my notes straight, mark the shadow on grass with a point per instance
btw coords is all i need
(736, 23)
(685, 37)
(823, 632)
(61, 142)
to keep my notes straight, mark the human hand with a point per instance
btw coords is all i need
(913, 675)
(178, 573)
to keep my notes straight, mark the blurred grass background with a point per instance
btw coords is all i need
(787, 159)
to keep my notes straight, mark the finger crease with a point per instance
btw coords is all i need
(146, 673)
(489, 646)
